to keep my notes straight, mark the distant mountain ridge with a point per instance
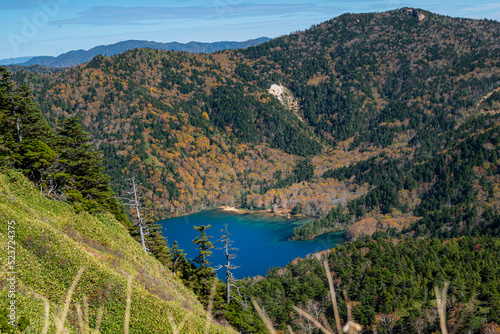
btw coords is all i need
(14, 61)
(77, 57)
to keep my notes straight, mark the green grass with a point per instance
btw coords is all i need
(53, 243)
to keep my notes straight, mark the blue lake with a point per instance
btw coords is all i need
(262, 240)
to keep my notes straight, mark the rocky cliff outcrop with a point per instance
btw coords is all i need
(285, 96)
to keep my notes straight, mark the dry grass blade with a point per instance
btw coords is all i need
(172, 323)
(333, 296)
(47, 315)
(100, 313)
(468, 309)
(441, 296)
(183, 321)
(210, 305)
(352, 328)
(348, 305)
(62, 318)
(325, 322)
(80, 318)
(311, 319)
(264, 317)
(86, 315)
(290, 329)
(129, 302)
(175, 329)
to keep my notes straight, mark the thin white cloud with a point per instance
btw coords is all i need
(117, 15)
(114, 15)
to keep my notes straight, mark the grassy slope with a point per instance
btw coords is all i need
(53, 243)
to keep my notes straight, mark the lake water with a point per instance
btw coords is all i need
(262, 240)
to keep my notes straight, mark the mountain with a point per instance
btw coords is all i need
(386, 125)
(345, 127)
(77, 57)
(14, 61)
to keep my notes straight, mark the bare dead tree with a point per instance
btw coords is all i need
(229, 275)
(387, 321)
(18, 121)
(350, 327)
(465, 312)
(134, 201)
(51, 189)
(333, 296)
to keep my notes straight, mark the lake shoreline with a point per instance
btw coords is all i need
(285, 213)
(280, 213)
(314, 236)
(262, 238)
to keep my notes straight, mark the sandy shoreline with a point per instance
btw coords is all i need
(281, 213)
(230, 208)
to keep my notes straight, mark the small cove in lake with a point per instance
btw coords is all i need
(261, 239)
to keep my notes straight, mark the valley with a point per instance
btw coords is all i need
(384, 127)
(203, 131)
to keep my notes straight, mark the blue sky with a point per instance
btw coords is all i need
(52, 27)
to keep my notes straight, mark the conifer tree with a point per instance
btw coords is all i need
(204, 272)
(85, 182)
(29, 120)
(180, 265)
(23, 129)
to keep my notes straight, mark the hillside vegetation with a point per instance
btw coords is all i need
(53, 243)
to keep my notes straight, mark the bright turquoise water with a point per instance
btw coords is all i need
(262, 241)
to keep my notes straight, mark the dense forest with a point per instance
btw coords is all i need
(203, 130)
(390, 130)
(391, 283)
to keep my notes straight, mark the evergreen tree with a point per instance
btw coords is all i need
(23, 129)
(203, 272)
(180, 265)
(85, 182)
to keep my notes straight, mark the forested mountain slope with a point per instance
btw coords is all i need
(390, 283)
(53, 244)
(381, 76)
(203, 130)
